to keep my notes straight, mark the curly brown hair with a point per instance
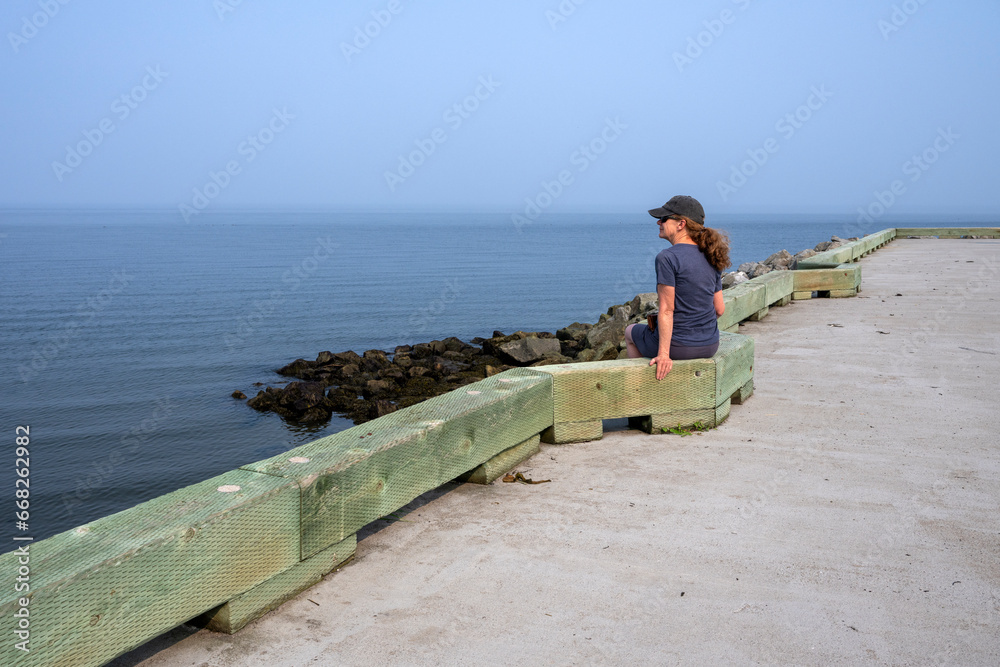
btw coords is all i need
(712, 243)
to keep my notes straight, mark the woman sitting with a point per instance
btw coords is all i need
(688, 288)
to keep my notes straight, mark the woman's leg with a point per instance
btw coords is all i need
(633, 351)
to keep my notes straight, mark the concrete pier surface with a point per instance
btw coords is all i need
(848, 513)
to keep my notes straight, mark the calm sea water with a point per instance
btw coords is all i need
(124, 333)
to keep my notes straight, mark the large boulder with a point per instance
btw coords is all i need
(754, 269)
(576, 331)
(781, 260)
(529, 350)
(734, 278)
(805, 254)
(827, 245)
(643, 304)
(606, 351)
(611, 330)
(297, 368)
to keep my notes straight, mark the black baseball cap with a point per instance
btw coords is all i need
(681, 205)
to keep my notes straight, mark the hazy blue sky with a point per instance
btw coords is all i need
(667, 97)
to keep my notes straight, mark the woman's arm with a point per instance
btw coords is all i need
(720, 305)
(665, 325)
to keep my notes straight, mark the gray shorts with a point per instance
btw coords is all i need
(648, 344)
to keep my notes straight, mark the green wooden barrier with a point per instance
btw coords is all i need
(102, 589)
(354, 477)
(696, 390)
(842, 281)
(948, 232)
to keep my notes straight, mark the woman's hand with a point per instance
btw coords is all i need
(663, 365)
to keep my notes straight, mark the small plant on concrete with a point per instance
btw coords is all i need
(679, 430)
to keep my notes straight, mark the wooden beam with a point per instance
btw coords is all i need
(354, 477)
(102, 589)
(502, 463)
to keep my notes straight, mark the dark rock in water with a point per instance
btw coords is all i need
(324, 358)
(374, 361)
(394, 374)
(528, 350)
(402, 349)
(498, 334)
(452, 344)
(349, 371)
(421, 350)
(420, 386)
(239, 395)
(314, 416)
(349, 357)
(261, 402)
(378, 389)
(341, 399)
(296, 368)
(477, 340)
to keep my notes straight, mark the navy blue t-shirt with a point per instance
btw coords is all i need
(695, 282)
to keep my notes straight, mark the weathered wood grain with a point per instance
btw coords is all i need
(232, 616)
(353, 477)
(102, 589)
(502, 463)
(845, 276)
